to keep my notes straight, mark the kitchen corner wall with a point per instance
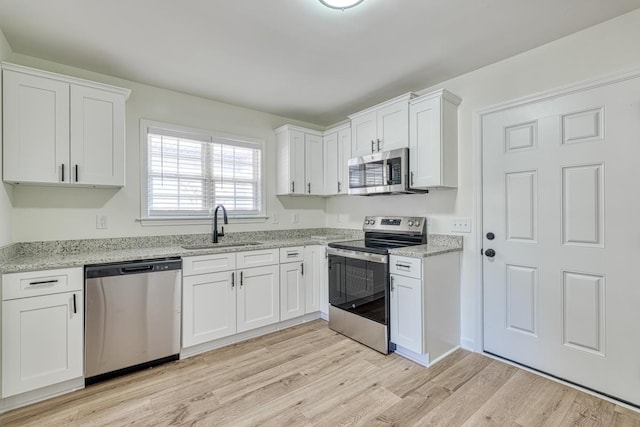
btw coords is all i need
(53, 213)
(6, 191)
(605, 48)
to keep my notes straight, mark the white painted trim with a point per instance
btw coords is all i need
(223, 342)
(603, 80)
(44, 393)
(443, 93)
(154, 222)
(420, 359)
(469, 345)
(588, 84)
(337, 128)
(64, 78)
(405, 96)
(286, 128)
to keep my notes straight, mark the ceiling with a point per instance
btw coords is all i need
(294, 58)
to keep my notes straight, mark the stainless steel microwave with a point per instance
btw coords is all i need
(386, 172)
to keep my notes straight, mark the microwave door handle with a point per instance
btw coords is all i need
(389, 168)
(385, 173)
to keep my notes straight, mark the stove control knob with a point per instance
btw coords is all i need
(410, 223)
(373, 221)
(417, 223)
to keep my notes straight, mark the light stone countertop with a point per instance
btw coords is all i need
(65, 254)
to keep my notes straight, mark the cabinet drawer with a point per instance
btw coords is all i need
(257, 258)
(294, 253)
(404, 266)
(203, 264)
(46, 282)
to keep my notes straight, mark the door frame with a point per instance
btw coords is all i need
(477, 145)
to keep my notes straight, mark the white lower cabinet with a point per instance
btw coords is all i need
(425, 306)
(42, 329)
(315, 273)
(258, 300)
(209, 307)
(292, 290)
(406, 312)
(221, 299)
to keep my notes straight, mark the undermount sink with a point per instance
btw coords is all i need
(220, 245)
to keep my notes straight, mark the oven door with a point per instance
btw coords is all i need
(359, 283)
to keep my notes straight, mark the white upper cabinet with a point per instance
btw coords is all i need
(313, 164)
(59, 130)
(337, 152)
(433, 140)
(300, 166)
(382, 127)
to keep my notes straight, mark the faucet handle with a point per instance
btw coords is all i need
(221, 234)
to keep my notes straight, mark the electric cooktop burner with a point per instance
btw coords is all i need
(384, 233)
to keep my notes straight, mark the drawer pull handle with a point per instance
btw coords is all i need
(75, 308)
(233, 279)
(292, 254)
(403, 266)
(43, 282)
(241, 279)
(302, 268)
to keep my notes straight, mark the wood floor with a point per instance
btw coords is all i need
(308, 376)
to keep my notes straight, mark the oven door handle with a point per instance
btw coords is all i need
(364, 256)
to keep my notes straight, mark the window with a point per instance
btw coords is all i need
(189, 172)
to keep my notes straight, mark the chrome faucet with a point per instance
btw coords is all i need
(215, 223)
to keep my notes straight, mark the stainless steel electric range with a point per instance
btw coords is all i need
(359, 278)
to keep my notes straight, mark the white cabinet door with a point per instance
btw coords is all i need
(208, 307)
(297, 159)
(42, 341)
(258, 297)
(406, 313)
(393, 126)
(36, 129)
(97, 137)
(314, 173)
(331, 164)
(344, 154)
(364, 134)
(292, 290)
(315, 273)
(433, 140)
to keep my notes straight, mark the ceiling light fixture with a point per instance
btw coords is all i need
(340, 4)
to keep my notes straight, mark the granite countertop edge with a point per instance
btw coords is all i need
(69, 260)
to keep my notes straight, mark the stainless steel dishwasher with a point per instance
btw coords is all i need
(132, 316)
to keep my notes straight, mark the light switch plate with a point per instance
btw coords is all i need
(461, 225)
(294, 217)
(275, 218)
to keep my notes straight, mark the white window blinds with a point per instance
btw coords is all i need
(189, 174)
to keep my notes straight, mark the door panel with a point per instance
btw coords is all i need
(559, 178)
(258, 297)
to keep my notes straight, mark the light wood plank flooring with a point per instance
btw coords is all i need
(308, 376)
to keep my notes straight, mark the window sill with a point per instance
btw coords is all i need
(152, 222)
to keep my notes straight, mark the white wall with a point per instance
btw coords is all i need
(6, 191)
(49, 213)
(599, 50)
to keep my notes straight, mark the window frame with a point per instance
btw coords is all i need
(201, 135)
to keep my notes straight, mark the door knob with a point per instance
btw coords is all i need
(490, 253)
(491, 236)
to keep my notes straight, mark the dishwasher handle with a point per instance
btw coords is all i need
(136, 269)
(132, 267)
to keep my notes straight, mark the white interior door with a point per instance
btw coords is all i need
(561, 197)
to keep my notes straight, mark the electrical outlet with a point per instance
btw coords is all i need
(461, 225)
(294, 217)
(101, 222)
(275, 218)
(342, 218)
